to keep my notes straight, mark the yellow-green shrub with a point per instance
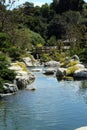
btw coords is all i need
(71, 70)
(22, 65)
(72, 63)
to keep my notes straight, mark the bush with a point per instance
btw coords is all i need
(71, 70)
(1, 85)
(45, 57)
(14, 53)
(8, 75)
(5, 73)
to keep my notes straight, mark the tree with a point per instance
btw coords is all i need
(61, 6)
(5, 73)
(36, 38)
(56, 27)
(28, 8)
(52, 41)
(45, 10)
(5, 13)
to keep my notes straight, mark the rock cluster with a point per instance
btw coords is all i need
(23, 78)
(73, 68)
(30, 61)
(9, 89)
(51, 67)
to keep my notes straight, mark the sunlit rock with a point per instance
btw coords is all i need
(82, 128)
(52, 64)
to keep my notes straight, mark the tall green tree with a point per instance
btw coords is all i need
(61, 6)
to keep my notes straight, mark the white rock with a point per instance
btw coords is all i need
(36, 70)
(82, 128)
(27, 61)
(52, 64)
(60, 72)
(80, 65)
(15, 67)
(49, 71)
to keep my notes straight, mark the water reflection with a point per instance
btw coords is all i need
(3, 113)
(53, 106)
(83, 84)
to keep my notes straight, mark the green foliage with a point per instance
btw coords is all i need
(82, 53)
(4, 42)
(71, 70)
(5, 73)
(1, 85)
(58, 56)
(25, 27)
(52, 41)
(72, 63)
(22, 65)
(56, 27)
(45, 57)
(36, 38)
(63, 6)
(14, 53)
(21, 38)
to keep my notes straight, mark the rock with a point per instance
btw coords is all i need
(72, 69)
(15, 67)
(80, 74)
(30, 61)
(80, 66)
(49, 71)
(52, 64)
(31, 89)
(82, 128)
(36, 70)
(61, 72)
(24, 77)
(4, 95)
(75, 57)
(10, 88)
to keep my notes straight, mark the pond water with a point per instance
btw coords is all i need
(54, 105)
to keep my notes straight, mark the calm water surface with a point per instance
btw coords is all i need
(53, 106)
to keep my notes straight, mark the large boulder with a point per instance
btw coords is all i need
(82, 128)
(80, 74)
(23, 77)
(10, 88)
(52, 64)
(49, 71)
(75, 57)
(30, 61)
(77, 70)
(70, 70)
(61, 72)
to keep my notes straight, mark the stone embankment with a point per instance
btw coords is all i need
(72, 67)
(22, 79)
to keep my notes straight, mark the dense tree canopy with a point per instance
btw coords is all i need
(30, 25)
(61, 6)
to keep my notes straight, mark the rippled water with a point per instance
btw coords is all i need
(53, 106)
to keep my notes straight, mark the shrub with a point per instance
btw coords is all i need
(1, 85)
(71, 70)
(5, 73)
(14, 53)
